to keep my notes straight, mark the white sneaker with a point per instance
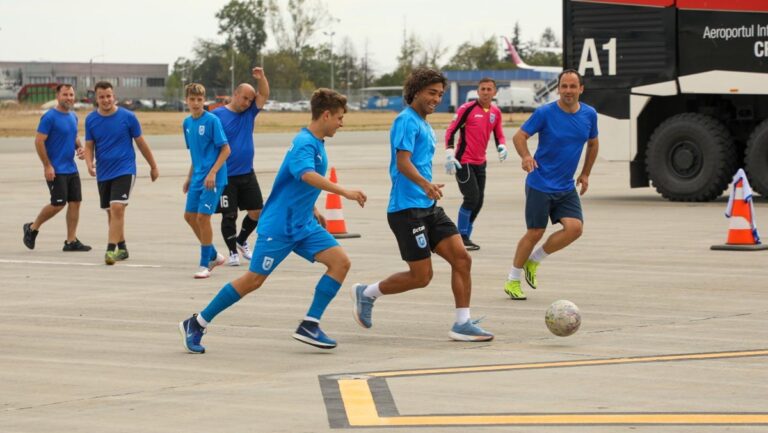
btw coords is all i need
(203, 272)
(219, 261)
(234, 260)
(244, 250)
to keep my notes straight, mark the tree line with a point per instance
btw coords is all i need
(298, 64)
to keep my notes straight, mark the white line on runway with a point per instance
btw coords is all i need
(41, 262)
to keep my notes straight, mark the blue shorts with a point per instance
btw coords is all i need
(540, 206)
(204, 201)
(271, 250)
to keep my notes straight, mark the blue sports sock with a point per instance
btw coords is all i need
(223, 300)
(469, 230)
(205, 254)
(214, 253)
(324, 292)
(463, 222)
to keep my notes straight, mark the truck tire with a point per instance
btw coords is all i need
(691, 157)
(756, 159)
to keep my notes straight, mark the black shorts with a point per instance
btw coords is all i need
(116, 190)
(65, 188)
(540, 206)
(243, 192)
(418, 231)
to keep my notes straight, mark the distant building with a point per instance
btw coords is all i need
(130, 80)
(461, 82)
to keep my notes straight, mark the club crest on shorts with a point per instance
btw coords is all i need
(421, 240)
(201, 129)
(267, 263)
(493, 117)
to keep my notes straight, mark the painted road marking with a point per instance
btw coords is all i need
(42, 262)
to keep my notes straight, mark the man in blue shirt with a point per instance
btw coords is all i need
(56, 143)
(242, 190)
(109, 135)
(289, 222)
(563, 127)
(207, 176)
(419, 225)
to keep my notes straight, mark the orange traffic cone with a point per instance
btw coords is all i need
(334, 216)
(742, 232)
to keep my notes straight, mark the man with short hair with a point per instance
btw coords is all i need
(550, 194)
(290, 223)
(109, 135)
(474, 122)
(242, 190)
(57, 143)
(419, 225)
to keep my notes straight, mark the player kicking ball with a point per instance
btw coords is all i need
(290, 222)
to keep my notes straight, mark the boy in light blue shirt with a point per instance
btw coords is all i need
(207, 177)
(289, 223)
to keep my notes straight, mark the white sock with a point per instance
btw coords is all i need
(539, 255)
(462, 315)
(202, 322)
(373, 291)
(311, 319)
(515, 273)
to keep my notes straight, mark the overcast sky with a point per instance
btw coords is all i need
(160, 31)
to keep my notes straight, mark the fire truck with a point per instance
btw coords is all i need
(681, 88)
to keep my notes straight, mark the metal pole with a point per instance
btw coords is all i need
(232, 74)
(330, 35)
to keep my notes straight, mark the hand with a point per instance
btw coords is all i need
(185, 187)
(80, 152)
(451, 164)
(257, 73)
(434, 190)
(583, 180)
(320, 219)
(92, 170)
(49, 173)
(210, 181)
(529, 164)
(503, 154)
(154, 174)
(356, 195)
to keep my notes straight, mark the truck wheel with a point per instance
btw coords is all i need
(691, 157)
(756, 159)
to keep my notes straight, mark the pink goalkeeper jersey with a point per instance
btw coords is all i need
(474, 126)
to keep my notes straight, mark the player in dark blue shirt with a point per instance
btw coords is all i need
(56, 143)
(550, 194)
(242, 190)
(289, 223)
(109, 135)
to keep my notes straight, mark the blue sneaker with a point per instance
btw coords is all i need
(363, 305)
(469, 331)
(191, 334)
(309, 332)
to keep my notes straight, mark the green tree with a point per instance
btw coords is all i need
(243, 23)
(469, 56)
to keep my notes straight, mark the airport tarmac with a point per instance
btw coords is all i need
(674, 337)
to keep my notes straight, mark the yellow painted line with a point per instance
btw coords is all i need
(358, 402)
(579, 363)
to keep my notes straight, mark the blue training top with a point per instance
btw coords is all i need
(561, 139)
(61, 129)
(238, 128)
(112, 138)
(412, 133)
(288, 212)
(205, 138)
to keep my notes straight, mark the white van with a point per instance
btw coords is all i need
(511, 99)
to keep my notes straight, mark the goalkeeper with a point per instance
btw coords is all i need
(465, 157)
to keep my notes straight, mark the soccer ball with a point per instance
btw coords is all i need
(563, 318)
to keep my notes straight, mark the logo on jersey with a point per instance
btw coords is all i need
(421, 240)
(418, 229)
(267, 263)
(201, 129)
(493, 117)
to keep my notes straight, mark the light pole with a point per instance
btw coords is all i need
(90, 72)
(330, 35)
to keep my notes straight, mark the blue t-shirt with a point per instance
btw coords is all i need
(61, 129)
(412, 133)
(239, 130)
(205, 138)
(288, 212)
(112, 138)
(561, 139)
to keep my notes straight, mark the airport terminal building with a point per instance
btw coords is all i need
(130, 80)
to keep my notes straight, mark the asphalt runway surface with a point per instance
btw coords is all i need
(674, 337)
